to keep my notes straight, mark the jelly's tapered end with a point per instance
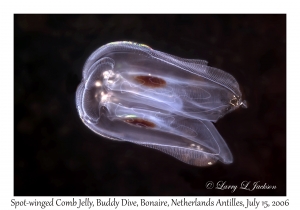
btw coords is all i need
(244, 104)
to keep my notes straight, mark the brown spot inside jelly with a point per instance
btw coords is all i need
(150, 81)
(140, 122)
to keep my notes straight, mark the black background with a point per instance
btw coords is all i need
(56, 154)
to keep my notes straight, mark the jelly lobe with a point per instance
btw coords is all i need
(144, 103)
(203, 100)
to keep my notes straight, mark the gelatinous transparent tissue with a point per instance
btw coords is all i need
(130, 92)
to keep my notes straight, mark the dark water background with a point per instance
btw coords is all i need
(56, 154)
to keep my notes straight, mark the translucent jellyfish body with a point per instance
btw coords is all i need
(130, 92)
